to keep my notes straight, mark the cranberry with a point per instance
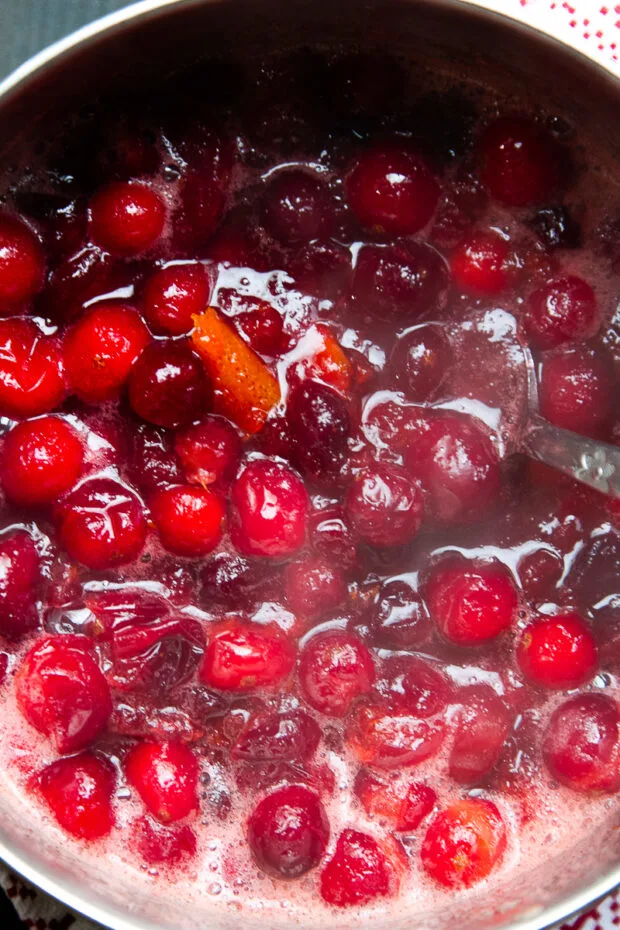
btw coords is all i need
(79, 278)
(288, 832)
(313, 586)
(263, 328)
(392, 738)
(556, 227)
(519, 163)
(398, 281)
(20, 582)
(78, 791)
(31, 370)
(331, 538)
(482, 726)
(101, 524)
(165, 775)
(320, 424)
(385, 506)
(173, 295)
(41, 460)
(297, 207)
(479, 264)
(243, 658)
(62, 692)
(210, 451)
(464, 843)
(557, 652)
(22, 264)
(204, 189)
(563, 310)
(581, 746)
(322, 268)
(540, 572)
(269, 510)
(420, 362)
(334, 669)
(576, 391)
(189, 520)
(153, 464)
(286, 737)
(358, 871)
(168, 385)
(229, 578)
(168, 846)
(402, 803)
(414, 684)
(471, 602)
(126, 218)
(399, 619)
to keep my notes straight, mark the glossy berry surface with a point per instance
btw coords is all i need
(464, 843)
(173, 295)
(288, 832)
(357, 873)
(563, 311)
(334, 669)
(421, 360)
(483, 724)
(32, 378)
(313, 587)
(270, 510)
(165, 775)
(385, 506)
(582, 743)
(558, 652)
(189, 520)
(126, 218)
(519, 162)
(168, 386)
(40, 461)
(78, 790)
(209, 451)
(398, 282)
(20, 583)
(297, 207)
(22, 264)
(242, 658)
(478, 265)
(575, 391)
(402, 803)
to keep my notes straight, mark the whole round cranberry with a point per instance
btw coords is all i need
(321, 268)
(168, 385)
(576, 390)
(464, 843)
(126, 218)
(557, 652)
(314, 586)
(173, 295)
(562, 311)
(31, 370)
(415, 684)
(159, 845)
(420, 362)
(392, 737)
(297, 206)
(458, 469)
(399, 619)
(189, 520)
(40, 461)
(331, 538)
(581, 745)
(101, 349)
(78, 790)
(209, 451)
(264, 329)
(482, 725)
(242, 657)
(320, 424)
(269, 510)
(401, 802)
(20, 583)
(286, 737)
(385, 505)
(165, 775)
(152, 463)
(101, 524)
(478, 265)
(398, 281)
(334, 669)
(358, 871)
(288, 832)
(229, 578)
(22, 264)
(62, 692)
(519, 163)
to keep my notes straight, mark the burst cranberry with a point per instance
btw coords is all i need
(320, 424)
(165, 775)
(562, 311)
(243, 658)
(479, 264)
(392, 190)
(464, 843)
(519, 163)
(390, 738)
(173, 295)
(62, 692)
(20, 581)
(385, 506)
(287, 737)
(334, 669)
(209, 452)
(168, 846)
(41, 460)
(78, 791)
(540, 572)
(400, 619)
(414, 684)
(581, 746)
(153, 464)
(403, 804)
(22, 264)
(126, 218)
(358, 871)
(263, 328)
(471, 602)
(482, 726)
(313, 586)
(101, 524)
(420, 362)
(288, 832)
(558, 652)
(297, 207)
(398, 281)
(269, 510)
(576, 391)
(31, 370)
(168, 385)
(189, 520)
(331, 538)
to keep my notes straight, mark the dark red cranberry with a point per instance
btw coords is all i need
(576, 390)
(385, 506)
(464, 843)
(204, 188)
(392, 737)
(153, 464)
(78, 790)
(322, 268)
(243, 658)
(414, 684)
(556, 227)
(31, 370)
(558, 652)
(313, 587)
(481, 727)
(297, 206)
(189, 520)
(519, 162)
(331, 537)
(288, 832)
(398, 281)
(420, 362)
(286, 737)
(210, 451)
(358, 871)
(62, 692)
(168, 385)
(173, 295)
(462, 204)
(20, 583)
(126, 218)
(263, 328)
(165, 775)
(229, 578)
(269, 510)
(540, 572)
(399, 619)
(334, 669)
(79, 278)
(581, 745)
(389, 424)
(563, 310)
(402, 803)
(479, 264)
(168, 846)
(275, 438)
(320, 424)
(41, 460)
(22, 264)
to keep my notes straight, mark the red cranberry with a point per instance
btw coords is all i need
(288, 832)
(398, 281)
(576, 391)
(19, 583)
(420, 362)
(101, 524)
(263, 328)
(168, 385)
(81, 277)
(78, 791)
(287, 737)
(270, 510)
(563, 310)
(414, 684)
(243, 658)
(385, 506)
(168, 846)
(204, 189)
(557, 652)
(126, 218)
(392, 738)
(479, 264)
(358, 871)
(334, 669)
(297, 207)
(391, 189)
(464, 843)
(173, 295)
(320, 424)
(62, 692)
(189, 520)
(581, 746)
(31, 370)
(399, 619)
(229, 578)
(165, 775)
(322, 268)
(313, 587)
(331, 538)
(153, 463)
(482, 726)
(22, 264)
(402, 803)
(471, 602)
(540, 572)
(209, 452)
(519, 163)
(41, 460)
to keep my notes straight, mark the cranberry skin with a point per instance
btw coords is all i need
(399, 619)
(334, 669)
(78, 790)
(31, 371)
(286, 737)
(557, 228)
(385, 506)
(165, 775)
(168, 846)
(79, 278)
(319, 422)
(562, 311)
(173, 295)
(331, 538)
(126, 218)
(153, 464)
(20, 582)
(189, 520)
(464, 843)
(392, 190)
(264, 329)
(391, 738)
(297, 207)
(482, 726)
(101, 349)
(228, 579)
(322, 268)
(404, 805)
(41, 460)
(471, 602)
(288, 832)
(420, 362)
(413, 684)
(269, 510)
(357, 873)
(458, 469)
(210, 451)
(168, 385)
(101, 524)
(519, 162)
(62, 692)
(576, 391)
(398, 281)
(558, 652)
(243, 658)
(313, 587)
(22, 264)
(581, 745)
(479, 265)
